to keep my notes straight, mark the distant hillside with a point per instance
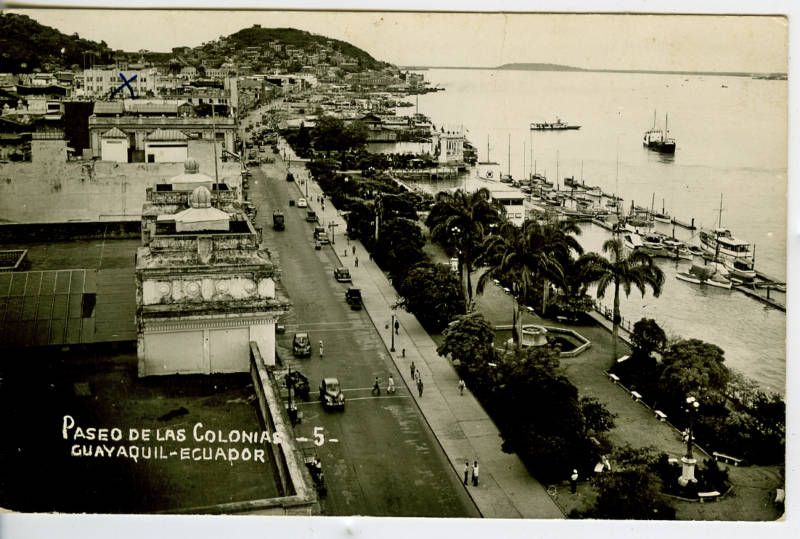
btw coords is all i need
(539, 67)
(255, 36)
(26, 45)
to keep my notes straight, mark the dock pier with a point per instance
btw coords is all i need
(687, 226)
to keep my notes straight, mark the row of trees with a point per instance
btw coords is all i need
(536, 408)
(736, 417)
(384, 218)
(535, 257)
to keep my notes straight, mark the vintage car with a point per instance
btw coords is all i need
(353, 298)
(330, 393)
(342, 275)
(299, 383)
(302, 203)
(301, 345)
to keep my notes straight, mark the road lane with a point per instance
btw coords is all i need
(386, 461)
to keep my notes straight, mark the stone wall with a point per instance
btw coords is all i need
(59, 191)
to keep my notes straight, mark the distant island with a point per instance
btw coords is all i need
(561, 67)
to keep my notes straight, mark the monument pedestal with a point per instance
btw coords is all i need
(687, 475)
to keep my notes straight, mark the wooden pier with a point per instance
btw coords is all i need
(687, 226)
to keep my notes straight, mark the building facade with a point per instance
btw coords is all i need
(205, 286)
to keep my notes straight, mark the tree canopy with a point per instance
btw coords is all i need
(433, 292)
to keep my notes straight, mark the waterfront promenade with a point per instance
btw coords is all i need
(466, 432)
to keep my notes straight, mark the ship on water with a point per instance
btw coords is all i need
(558, 125)
(659, 139)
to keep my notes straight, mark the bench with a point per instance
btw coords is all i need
(711, 495)
(636, 396)
(661, 416)
(726, 458)
(613, 377)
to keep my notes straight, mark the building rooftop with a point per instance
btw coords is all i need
(114, 132)
(169, 135)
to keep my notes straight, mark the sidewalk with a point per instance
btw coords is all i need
(460, 424)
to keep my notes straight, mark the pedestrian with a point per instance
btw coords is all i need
(413, 370)
(475, 470)
(376, 387)
(354, 249)
(573, 481)
(461, 386)
(420, 385)
(466, 471)
(356, 261)
(345, 252)
(397, 327)
(404, 352)
(321, 352)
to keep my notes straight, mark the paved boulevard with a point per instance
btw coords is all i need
(386, 460)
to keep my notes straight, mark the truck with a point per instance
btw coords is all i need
(320, 235)
(311, 216)
(278, 222)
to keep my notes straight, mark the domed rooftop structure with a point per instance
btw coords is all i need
(191, 177)
(200, 197)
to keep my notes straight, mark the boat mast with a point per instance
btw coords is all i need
(556, 170)
(530, 141)
(652, 207)
(719, 221)
(509, 155)
(524, 164)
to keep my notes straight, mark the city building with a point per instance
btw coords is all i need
(139, 119)
(101, 82)
(205, 286)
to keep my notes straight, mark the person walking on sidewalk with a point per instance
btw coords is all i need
(466, 472)
(461, 386)
(321, 351)
(475, 471)
(413, 371)
(397, 327)
(420, 385)
(573, 481)
(356, 261)
(354, 249)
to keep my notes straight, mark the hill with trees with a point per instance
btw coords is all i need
(26, 45)
(256, 36)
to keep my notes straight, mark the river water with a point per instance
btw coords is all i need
(731, 137)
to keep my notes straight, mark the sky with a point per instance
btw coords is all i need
(661, 42)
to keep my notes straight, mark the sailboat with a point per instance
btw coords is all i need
(659, 140)
(663, 216)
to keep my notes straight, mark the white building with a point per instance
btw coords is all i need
(114, 146)
(102, 82)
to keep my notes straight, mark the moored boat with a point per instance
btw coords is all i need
(698, 274)
(558, 125)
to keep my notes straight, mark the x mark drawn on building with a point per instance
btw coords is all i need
(125, 82)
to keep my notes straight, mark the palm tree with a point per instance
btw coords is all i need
(460, 220)
(526, 255)
(637, 269)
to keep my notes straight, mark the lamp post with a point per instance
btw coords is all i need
(391, 330)
(689, 462)
(332, 226)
